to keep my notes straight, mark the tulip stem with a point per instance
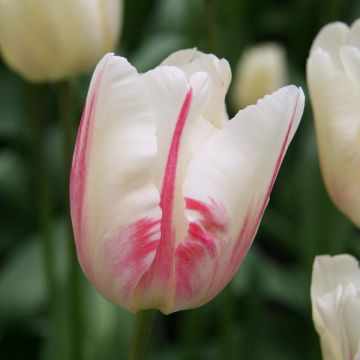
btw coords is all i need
(140, 340)
(42, 199)
(66, 110)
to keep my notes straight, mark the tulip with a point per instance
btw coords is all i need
(335, 295)
(51, 40)
(261, 70)
(166, 193)
(333, 74)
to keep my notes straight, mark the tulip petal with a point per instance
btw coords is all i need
(336, 309)
(351, 316)
(52, 42)
(330, 271)
(171, 93)
(178, 104)
(192, 61)
(114, 203)
(335, 100)
(330, 38)
(355, 34)
(227, 187)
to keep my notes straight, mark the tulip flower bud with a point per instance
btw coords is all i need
(335, 296)
(333, 75)
(260, 71)
(51, 40)
(166, 193)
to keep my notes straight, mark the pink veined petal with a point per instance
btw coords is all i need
(168, 85)
(80, 164)
(227, 187)
(114, 203)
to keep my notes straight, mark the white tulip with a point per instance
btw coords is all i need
(333, 74)
(335, 295)
(49, 40)
(166, 194)
(261, 70)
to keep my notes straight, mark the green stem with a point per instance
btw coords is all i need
(66, 109)
(139, 345)
(41, 184)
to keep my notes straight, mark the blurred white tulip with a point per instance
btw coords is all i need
(261, 70)
(47, 40)
(333, 75)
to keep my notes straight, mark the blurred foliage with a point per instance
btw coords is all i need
(265, 312)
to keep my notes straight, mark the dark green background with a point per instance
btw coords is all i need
(265, 311)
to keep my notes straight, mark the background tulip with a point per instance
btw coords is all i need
(166, 195)
(261, 70)
(335, 295)
(333, 74)
(51, 40)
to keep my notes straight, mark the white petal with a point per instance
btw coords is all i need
(330, 271)
(47, 42)
(335, 299)
(261, 70)
(234, 173)
(355, 34)
(169, 88)
(351, 319)
(328, 312)
(192, 61)
(350, 58)
(113, 166)
(335, 99)
(330, 38)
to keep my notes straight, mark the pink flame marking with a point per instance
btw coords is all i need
(139, 237)
(79, 173)
(190, 252)
(135, 251)
(164, 258)
(78, 181)
(203, 244)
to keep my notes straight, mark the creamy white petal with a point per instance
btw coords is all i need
(335, 298)
(328, 318)
(192, 61)
(335, 99)
(233, 175)
(262, 69)
(355, 34)
(330, 38)
(49, 41)
(169, 88)
(331, 271)
(350, 58)
(113, 164)
(351, 318)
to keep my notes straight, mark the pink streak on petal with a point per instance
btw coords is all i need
(214, 215)
(252, 220)
(161, 268)
(78, 173)
(164, 260)
(131, 252)
(197, 257)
